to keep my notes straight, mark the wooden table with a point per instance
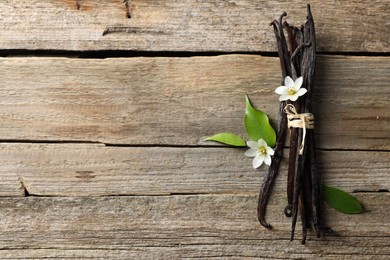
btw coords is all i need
(105, 104)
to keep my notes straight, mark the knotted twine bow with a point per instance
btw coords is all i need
(304, 121)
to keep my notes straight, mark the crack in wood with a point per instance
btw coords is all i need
(128, 8)
(370, 191)
(132, 30)
(78, 4)
(23, 186)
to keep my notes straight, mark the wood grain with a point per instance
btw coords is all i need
(96, 170)
(182, 226)
(167, 25)
(180, 101)
(105, 158)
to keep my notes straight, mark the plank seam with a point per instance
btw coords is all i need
(199, 194)
(27, 141)
(103, 54)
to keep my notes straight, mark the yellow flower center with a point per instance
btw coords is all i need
(262, 150)
(291, 91)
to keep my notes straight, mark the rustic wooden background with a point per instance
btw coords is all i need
(104, 106)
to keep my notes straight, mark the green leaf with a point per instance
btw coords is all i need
(257, 125)
(341, 200)
(227, 138)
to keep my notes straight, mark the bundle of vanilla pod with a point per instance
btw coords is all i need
(297, 59)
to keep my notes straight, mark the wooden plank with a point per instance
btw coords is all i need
(96, 170)
(180, 101)
(186, 251)
(187, 25)
(183, 226)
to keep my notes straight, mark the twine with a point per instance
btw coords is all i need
(304, 121)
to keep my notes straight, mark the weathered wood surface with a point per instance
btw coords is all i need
(181, 227)
(342, 26)
(97, 170)
(105, 158)
(180, 101)
(217, 220)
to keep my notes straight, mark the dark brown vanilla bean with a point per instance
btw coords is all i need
(306, 52)
(308, 69)
(294, 41)
(298, 180)
(304, 203)
(270, 176)
(284, 55)
(315, 185)
(304, 216)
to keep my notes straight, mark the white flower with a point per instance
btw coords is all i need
(292, 90)
(261, 151)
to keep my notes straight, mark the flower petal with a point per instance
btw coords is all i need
(251, 152)
(257, 161)
(267, 160)
(288, 82)
(301, 92)
(294, 97)
(270, 151)
(261, 143)
(284, 97)
(282, 90)
(298, 83)
(252, 144)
